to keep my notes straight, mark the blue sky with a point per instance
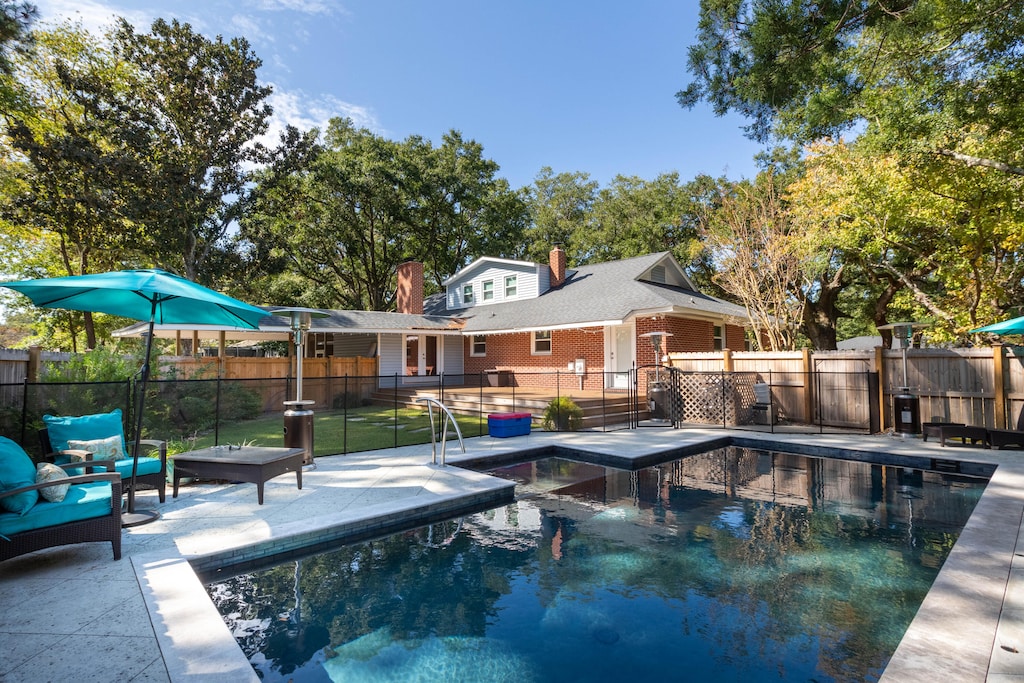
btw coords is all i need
(577, 86)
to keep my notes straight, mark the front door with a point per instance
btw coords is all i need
(620, 356)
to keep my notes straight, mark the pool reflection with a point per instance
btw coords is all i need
(732, 564)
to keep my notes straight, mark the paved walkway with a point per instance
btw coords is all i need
(73, 613)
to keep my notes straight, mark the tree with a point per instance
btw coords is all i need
(561, 206)
(203, 109)
(916, 249)
(16, 39)
(344, 214)
(462, 210)
(69, 168)
(926, 75)
(633, 217)
(756, 260)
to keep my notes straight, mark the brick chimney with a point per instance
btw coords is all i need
(556, 261)
(409, 297)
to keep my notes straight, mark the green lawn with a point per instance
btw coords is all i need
(364, 429)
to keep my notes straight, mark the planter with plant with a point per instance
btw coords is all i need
(562, 415)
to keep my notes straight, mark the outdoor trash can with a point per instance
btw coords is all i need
(503, 425)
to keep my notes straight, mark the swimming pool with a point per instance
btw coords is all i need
(735, 564)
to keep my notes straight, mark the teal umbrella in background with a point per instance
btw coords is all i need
(155, 296)
(1013, 326)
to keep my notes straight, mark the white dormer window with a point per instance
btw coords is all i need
(542, 343)
(467, 294)
(488, 290)
(510, 286)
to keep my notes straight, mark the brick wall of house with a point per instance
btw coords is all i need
(513, 350)
(735, 338)
(566, 346)
(687, 335)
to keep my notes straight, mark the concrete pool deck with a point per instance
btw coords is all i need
(73, 613)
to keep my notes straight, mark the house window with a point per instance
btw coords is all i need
(467, 294)
(719, 338)
(479, 345)
(542, 343)
(510, 286)
(488, 290)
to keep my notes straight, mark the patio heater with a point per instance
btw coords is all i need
(298, 418)
(906, 407)
(657, 392)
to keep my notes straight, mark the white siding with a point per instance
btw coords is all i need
(531, 281)
(392, 358)
(453, 356)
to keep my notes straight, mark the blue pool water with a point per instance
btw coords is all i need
(731, 565)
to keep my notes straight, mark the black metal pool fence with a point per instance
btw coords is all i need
(645, 397)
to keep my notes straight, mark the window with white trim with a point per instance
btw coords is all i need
(542, 343)
(511, 286)
(478, 345)
(467, 294)
(718, 339)
(488, 286)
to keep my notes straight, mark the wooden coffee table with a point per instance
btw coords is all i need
(253, 464)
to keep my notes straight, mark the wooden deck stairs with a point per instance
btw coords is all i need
(610, 408)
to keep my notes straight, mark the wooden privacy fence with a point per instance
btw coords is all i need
(983, 386)
(325, 375)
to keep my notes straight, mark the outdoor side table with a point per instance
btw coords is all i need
(252, 464)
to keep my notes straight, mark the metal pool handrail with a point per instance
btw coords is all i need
(444, 432)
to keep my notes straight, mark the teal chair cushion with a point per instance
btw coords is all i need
(83, 501)
(84, 428)
(147, 465)
(16, 470)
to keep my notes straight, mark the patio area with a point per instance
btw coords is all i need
(74, 613)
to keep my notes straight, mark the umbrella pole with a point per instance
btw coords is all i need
(135, 517)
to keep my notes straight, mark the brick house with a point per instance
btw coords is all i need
(534, 319)
(530, 319)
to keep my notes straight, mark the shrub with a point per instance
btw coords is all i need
(562, 414)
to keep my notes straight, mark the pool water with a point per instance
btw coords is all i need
(731, 565)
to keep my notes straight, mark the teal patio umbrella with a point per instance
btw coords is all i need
(149, 295)
(1012, 326)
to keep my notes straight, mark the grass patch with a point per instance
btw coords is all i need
(365, 429)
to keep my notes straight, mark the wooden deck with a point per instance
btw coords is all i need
(607, 408)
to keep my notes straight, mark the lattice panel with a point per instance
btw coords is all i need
(715, 398)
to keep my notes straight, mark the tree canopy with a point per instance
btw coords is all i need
(891, 190)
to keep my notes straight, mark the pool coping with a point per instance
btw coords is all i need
(970, 626)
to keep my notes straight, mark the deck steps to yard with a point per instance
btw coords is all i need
(598, 411)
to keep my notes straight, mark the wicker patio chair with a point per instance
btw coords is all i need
(157, 480)
(104, 527)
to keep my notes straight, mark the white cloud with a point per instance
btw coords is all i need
(304, 112)
(243, 25)
(95, 17)
(304, 6)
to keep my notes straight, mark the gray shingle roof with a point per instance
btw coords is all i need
(592, 295)
(367, 321)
